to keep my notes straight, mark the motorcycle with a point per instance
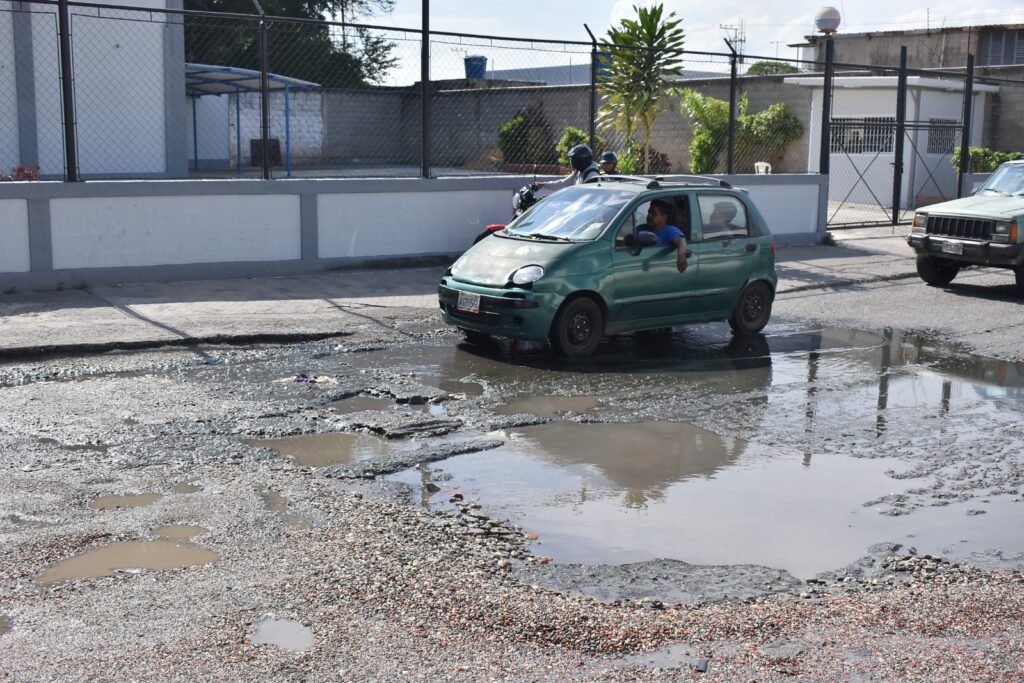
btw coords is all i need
(522, 199)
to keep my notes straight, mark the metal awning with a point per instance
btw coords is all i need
(202, 80)
(211, 79)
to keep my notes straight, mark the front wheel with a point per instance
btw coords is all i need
(474, 337)
(935, 271)
(752, 310)
(578, 328)
(1018, 273)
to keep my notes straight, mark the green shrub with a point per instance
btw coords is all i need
(771, 68)
(526, 138)
(572, 137)
(984, 160)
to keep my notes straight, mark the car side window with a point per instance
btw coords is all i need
(627, 230)
(722, 217)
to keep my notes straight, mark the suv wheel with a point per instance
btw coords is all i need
(752, 310)
(1019, 274)
(578, 327)
(937, 272)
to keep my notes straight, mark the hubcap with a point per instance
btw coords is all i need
(753, 307)
(580, 328)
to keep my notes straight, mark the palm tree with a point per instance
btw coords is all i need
(639, 58)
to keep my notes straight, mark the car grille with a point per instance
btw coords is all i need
(971, 228)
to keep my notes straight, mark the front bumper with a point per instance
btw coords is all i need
(974, 251)
(517, 313)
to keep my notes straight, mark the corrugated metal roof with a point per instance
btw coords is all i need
(211, 79)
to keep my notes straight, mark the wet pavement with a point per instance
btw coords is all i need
(688, 466)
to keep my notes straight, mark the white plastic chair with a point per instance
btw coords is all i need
(762, 167)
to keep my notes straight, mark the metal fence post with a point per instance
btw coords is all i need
(593, 89)
(826, 107)
(67, 92)
(731, 144)
(264, 97)
(425, 93)
(965, 137)
(901, 125)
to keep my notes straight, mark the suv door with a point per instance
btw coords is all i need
(729, 248)
(649, 289)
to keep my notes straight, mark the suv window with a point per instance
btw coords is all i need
(722, 217)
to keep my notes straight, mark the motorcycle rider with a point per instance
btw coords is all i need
(609, 163)
(583, 169)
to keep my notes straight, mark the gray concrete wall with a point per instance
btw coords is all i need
(366, 126)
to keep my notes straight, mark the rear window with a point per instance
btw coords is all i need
(722, 217)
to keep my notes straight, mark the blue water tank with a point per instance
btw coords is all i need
(476, 66)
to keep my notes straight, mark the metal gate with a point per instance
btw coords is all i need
(890, 153)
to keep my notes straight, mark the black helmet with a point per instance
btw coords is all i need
(580, 157)
(609, 158)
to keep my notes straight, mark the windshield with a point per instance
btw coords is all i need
(573, 214)
(1008, 179)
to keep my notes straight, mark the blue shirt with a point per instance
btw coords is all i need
(668, 234)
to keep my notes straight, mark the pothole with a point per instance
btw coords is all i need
(185, 487)
(128, 556)
(127, 501)
(324, 450)
(286, 634)
(550, 406)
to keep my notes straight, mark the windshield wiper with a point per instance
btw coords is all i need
(553, 238)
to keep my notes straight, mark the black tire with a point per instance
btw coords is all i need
(474, 337)
(578, 328)
(936, 272)
(752, 310)
(1018, 273)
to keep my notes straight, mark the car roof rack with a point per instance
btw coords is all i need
(661, 181)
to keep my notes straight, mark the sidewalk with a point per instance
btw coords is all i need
(310, 306)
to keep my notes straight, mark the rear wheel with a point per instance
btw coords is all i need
(936, 272)
(578, 328)
(1018, 272)
(752, 310)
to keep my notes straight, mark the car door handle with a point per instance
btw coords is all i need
(751, 247)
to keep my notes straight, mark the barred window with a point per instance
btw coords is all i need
(942, 135)
(1001, 47)
(863, 134)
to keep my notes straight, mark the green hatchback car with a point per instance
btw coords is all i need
(580, 265)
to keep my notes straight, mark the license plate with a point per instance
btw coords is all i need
(468, 302)
(952, 247)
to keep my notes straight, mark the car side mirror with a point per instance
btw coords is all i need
(644, 238)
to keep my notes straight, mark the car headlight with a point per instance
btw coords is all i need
(920, 222)
(527, 275)
(1005, 231)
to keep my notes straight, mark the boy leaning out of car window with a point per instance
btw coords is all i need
(657, 222)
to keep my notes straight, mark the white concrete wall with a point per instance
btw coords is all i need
(147, 231)
(305, 123)
(14, 254)
(374, 224)
(212, 114)
(788, 209)
(9, 154)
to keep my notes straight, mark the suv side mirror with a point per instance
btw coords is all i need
(644, 238)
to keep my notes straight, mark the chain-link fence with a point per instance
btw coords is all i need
(118, 92)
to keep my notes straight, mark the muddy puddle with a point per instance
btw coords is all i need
(785, 450)
(275, 502)
(127, 501)
(178, 532)
(127, 557)
(4, 626)
(323, 450)
(185, 487)
(286, 634)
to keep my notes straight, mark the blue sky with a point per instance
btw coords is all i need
(769, 26)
